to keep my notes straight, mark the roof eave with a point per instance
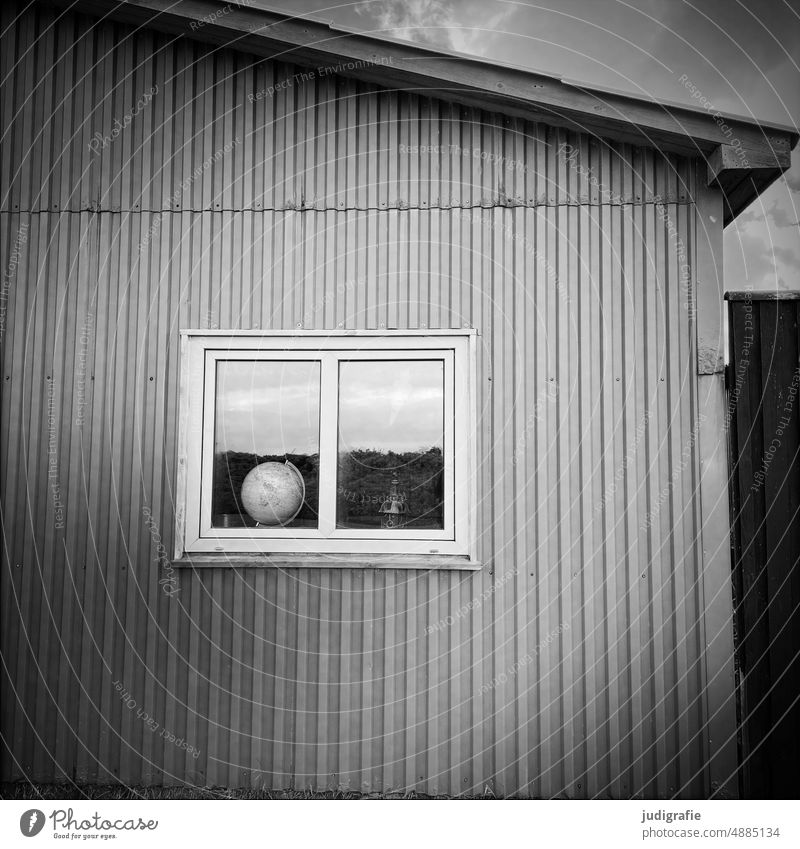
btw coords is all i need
(761, 154)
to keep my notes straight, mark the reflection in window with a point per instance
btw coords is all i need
(265, 411)
(391, 443)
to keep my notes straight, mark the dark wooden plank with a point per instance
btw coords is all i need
(765, 468)
(753, 633)
(781, 487)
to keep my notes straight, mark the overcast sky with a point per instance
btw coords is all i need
(391, 406)
(743, 56)
(273, 407)
(268, 407)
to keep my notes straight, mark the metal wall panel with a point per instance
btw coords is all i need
(572, 663)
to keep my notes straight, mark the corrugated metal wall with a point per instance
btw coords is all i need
(573, 664)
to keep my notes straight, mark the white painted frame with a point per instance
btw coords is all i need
(200, 351)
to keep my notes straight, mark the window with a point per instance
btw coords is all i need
(327, 443)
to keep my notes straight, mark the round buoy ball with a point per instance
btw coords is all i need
(272, 493)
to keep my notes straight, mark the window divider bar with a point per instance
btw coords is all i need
(209, 415)
(328, 441)
(449, 446)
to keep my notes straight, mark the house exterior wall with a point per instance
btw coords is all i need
(574, 663)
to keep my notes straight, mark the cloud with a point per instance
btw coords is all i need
(268, 407)
(394, 406)
(780, 217)
(751, 215)
(735, 39)
(743, 57)
(786, 257)
(793, 180)
(462, 27)
(754, 261)
(748, 264)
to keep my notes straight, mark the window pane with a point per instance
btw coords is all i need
(391, 444)
(266, 412)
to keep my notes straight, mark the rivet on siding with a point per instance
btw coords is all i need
(151, 378)
(299, 323)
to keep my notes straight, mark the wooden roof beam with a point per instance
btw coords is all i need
(744, 173)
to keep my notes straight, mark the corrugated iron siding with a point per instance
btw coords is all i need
(587, 616)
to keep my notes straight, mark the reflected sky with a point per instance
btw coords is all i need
(395, 405)
(268, 407)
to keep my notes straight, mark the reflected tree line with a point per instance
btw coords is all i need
(364, 482)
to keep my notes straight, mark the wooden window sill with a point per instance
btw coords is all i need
(240, 560)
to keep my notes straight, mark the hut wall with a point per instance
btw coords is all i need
(152, 184)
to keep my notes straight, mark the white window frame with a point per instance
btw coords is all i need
(200, 351)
